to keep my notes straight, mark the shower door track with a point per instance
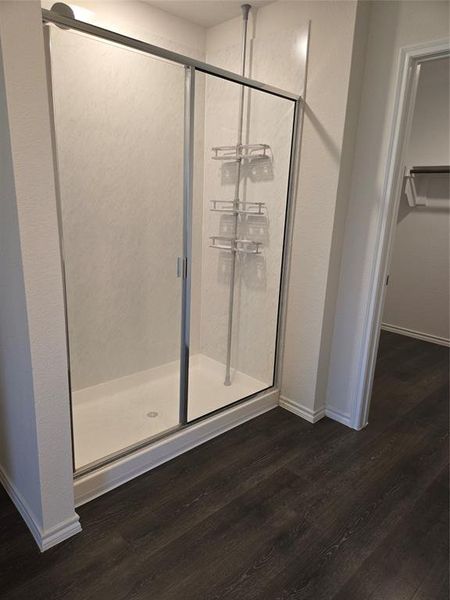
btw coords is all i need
(49, 16)
(191, 65)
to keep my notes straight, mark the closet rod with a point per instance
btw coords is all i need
(429, 169)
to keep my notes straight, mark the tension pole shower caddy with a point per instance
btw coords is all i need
(238, 208)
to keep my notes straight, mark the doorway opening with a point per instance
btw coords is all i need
(410, 298)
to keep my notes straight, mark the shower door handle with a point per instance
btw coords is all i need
(182, 267)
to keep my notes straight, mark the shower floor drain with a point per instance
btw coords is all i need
(152, 414)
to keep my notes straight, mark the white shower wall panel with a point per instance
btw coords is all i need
(119, 122)
(270, 121)
(277, 46)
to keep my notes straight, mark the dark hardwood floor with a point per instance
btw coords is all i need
(275, 509)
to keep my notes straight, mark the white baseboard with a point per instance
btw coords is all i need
(60, 532)
(45, 539)
(22, 507)
(91, 485)
(419, 335)
(312, 416)
(338, 416)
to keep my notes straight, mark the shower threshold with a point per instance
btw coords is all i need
(112, 416)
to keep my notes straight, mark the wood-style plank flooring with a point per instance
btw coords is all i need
(274, 509)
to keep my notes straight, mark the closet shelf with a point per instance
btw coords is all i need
(418, 182)
(429, 170)
(241, 152)
(237, 207)
(221, 242)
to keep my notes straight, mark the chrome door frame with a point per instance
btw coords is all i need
(49, 16)
(188, 169)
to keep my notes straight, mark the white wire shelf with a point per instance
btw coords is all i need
(221, 242)
(418, 182)
(237, 207)
(242, 152)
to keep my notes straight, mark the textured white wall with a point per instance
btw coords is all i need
(392, 26)
(343, 192)
(329, 63)
(418, 295)
(18, 438)
(36, 446)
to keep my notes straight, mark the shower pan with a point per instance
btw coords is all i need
(175, 186)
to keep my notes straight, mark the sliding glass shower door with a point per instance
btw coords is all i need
(174, 184)
(119, 122)
(240, 199)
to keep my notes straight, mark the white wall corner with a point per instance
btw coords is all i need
(320, 211)
(40, 476)
(301, 410)
(314, 415)
(355, 85)
(44, 538)
(59, 533)
(339, 416)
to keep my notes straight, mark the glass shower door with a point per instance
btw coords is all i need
(119, 121)
(239, 216)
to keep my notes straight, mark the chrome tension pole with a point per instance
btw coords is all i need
(245, 12)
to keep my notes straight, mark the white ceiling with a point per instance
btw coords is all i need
(206, 13)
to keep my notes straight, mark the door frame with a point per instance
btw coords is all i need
(406, 87)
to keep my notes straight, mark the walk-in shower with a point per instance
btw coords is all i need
(175, 188)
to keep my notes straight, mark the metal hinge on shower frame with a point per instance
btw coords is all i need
(182, 267)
